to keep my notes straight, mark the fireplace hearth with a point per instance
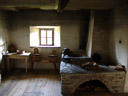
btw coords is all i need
(91, 86)
(74, 78)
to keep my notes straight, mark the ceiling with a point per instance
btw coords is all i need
(94, 4)
(54, 4)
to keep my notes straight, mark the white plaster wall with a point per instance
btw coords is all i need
(90, 35)
(101, 33)
(3, 32)
(119, 31)
(3, 38)
(119, 51)
(70, 23)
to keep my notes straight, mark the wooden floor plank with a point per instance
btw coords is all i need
(9, 85)
(37, 83)
(21, 85)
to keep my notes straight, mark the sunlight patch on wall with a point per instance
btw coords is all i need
(34, 36)
(1, 47)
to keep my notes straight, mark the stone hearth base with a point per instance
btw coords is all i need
(72, 76)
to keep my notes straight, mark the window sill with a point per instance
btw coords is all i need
(45, 46)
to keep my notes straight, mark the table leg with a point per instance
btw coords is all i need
(54, 64)
(8, 64)
(26, 64)
(31, 63)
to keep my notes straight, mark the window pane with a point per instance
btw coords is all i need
(43, 41)
(43, 33)
(49, 41)
(49, 33)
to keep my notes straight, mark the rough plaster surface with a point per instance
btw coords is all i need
(90, 34)
(100, 41)
(3, 29)
(3, 38)
(119, 32)
(70, 22)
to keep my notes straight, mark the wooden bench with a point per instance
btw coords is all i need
(51, 59)
(47, 61)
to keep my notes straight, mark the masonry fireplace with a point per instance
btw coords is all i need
(91, 86)
(75, 78)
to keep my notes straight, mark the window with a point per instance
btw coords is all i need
(47, 37)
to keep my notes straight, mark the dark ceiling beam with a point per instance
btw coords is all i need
(61, 5)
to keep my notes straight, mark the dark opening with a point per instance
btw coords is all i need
(91, 86)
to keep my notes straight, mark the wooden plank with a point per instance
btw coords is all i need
(37, 83)
(44, 61)
(62, 4)
(19, 88)
(47, 61)
(7, 85)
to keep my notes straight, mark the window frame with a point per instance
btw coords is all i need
(46, 36)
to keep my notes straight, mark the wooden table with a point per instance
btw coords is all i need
(24, 56)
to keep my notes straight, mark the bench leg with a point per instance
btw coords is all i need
(54, 64)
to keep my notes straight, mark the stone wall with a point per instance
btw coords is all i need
(72, 76)
(114, 81)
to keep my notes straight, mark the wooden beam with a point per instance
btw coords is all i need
(61, 5)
